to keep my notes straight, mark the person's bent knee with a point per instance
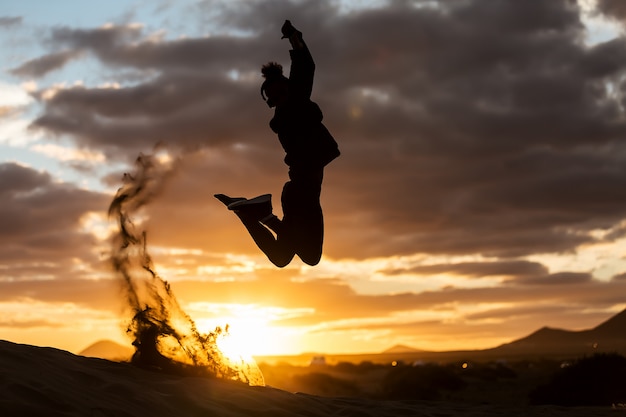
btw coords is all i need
(311, 259)
(281, 261)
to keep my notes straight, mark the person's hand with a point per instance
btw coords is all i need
(287, 29)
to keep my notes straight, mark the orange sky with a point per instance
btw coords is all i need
(478, 197)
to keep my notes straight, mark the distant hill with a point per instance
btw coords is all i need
(107, 349)
(615, 326)
(609, 336)
(547, 343)
(401, 349)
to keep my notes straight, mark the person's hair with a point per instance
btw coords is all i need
(272, 72)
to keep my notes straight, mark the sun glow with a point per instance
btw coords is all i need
(245, 337)
(251, 328)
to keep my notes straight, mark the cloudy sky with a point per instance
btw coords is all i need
(480, 193)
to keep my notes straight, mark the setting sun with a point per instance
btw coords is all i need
(244, 339)
(250, 332)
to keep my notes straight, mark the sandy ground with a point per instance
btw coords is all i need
(36, 381)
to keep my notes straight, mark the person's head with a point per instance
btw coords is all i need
(275, 88)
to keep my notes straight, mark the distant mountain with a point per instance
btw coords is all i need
(401, 349)
(615, 326)
(609, 336)
(107, 349)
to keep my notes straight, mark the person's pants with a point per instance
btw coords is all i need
(301, 231)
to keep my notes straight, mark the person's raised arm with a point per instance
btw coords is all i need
(293, 34)
(302, 64)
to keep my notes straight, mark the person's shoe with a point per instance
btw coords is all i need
(226, 200)
(258, 207)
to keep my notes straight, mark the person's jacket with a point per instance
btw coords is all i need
(298, 121)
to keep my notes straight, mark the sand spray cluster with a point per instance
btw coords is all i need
(164, 336)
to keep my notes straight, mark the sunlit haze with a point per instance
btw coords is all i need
(479, 194)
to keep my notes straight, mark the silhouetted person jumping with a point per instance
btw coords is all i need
(309, 147)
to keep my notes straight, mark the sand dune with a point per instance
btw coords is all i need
(37, 381)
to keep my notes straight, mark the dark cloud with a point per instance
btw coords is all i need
(560, 278)
(40, 229)
(526, 311)
(104, 294)
(477, 269)
(186, 111)
(29, 324)
(470, 128)
(102, 40)
(619, 277)
(612, 8)
(39, 67)
(125, 46)
(10, 21)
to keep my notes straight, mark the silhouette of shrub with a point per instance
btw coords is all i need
(346, 367)
(420, 382)
(367, 366)
(352, 368)
(323, 384)
(590, 381)
(490, 372)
